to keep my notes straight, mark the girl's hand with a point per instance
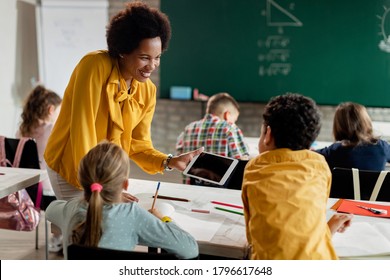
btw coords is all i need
(156, 213)
(126, 197)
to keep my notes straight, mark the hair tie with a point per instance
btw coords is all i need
(96, 187)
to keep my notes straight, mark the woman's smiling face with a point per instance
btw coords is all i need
(140, 63)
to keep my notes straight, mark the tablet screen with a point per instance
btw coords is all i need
(211, 168)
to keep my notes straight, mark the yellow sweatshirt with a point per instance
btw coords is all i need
(97, 106)
(285, 194)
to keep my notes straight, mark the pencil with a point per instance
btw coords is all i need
(155, 195)
(201, 211)
(172, 198)
(228, 210)
(227, 204)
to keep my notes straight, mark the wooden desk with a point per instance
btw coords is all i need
(14, 179)
(228, 240)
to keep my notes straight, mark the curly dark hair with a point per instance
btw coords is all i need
(295, 120)
(133, 24)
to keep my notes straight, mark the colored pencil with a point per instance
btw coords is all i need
(228, 210)
(200, 211)
(227, 204)
(172, 198)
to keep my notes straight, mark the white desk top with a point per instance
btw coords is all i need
(218, 233)
(366, 238)
(14, 179)
(253, 142)
(228, 236)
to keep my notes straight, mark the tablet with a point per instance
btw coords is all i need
(211, 168)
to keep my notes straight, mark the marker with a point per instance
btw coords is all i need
(230, 211)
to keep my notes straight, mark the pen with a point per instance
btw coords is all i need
(155, 195)
(172, 198)
(228, 210)
(373, 210)
(227, 204)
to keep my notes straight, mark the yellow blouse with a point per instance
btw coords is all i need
(97, 106)
(285, 194)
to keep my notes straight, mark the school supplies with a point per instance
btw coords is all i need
(373, 210)
(228, 210)
(200, 211)
(171, 198)
(227, 204)
(362, 208)
(155, 195)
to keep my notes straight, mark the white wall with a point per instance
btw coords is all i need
(42, 41)
(9, 101)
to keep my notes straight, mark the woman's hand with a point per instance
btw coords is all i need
(180, 162)
(339, 222)
(126, 197)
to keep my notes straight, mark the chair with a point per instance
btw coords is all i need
(82, 252)
(29, 159)
(351, 183)
(235, 181)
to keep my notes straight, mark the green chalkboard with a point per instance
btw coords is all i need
(330, 50)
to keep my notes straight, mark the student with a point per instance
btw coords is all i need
(355, 146)
(110, 96)
(39, 114)
(104, 219)
(286, 187)
(217, 132)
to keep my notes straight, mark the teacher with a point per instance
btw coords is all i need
(110, 96)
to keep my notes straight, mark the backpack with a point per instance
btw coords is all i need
(17, 211)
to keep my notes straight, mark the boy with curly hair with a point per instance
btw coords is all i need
(286, 187)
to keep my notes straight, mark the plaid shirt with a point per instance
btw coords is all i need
(215, 135)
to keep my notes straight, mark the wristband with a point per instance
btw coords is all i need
(166, 162)
(166, 219)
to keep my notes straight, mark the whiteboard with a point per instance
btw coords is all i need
(66, 31)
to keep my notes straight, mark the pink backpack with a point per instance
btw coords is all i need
(17, 211)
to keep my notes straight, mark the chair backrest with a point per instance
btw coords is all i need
(235, 180)
(29, 159)
(81, 252)
(343, 184)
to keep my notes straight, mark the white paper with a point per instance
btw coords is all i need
(363, 239)
(202, 227)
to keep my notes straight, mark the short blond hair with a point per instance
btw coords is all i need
(219, 102)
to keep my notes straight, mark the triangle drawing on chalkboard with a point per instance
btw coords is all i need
(279, 16)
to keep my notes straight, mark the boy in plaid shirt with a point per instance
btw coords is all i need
(217, 131)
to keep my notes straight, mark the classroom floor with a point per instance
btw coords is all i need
(15, 245)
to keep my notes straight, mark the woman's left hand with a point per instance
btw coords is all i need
(180, 162)
(126, 197)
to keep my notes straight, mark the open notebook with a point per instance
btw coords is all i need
(363, 239)
(368, 235)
